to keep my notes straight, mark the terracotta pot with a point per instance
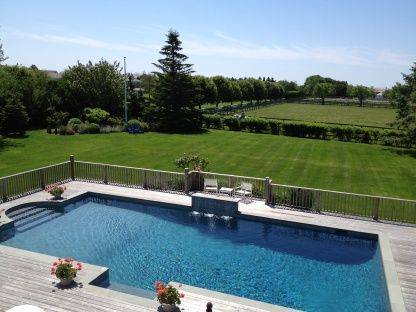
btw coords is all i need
(66, 281)
(166, 307)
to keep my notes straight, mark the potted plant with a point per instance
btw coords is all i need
(56, 191)
(168, 296)
(65, 270)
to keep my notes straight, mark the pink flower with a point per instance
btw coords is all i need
(79, 266)
(182, 295)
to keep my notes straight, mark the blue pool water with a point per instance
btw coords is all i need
(290, 266)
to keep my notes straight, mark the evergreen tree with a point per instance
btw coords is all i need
(174, 109)
(13, 117)
(2, 56)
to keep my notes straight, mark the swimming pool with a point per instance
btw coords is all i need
(285, 265)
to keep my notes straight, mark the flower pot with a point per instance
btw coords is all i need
(166, 307)
(66, 281)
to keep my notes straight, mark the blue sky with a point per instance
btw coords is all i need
(366, 42)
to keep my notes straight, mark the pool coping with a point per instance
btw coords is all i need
(392, 282)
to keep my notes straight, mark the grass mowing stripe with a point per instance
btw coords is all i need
(340, 166)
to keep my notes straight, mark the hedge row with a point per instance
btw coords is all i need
(306, 130)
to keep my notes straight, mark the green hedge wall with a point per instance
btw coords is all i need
(306, 130)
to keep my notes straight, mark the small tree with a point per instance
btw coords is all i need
(205, 90)
(360, 92)
(13, 117)
(192, 161)
(323, 90)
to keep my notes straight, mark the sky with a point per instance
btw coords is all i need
(361, 41)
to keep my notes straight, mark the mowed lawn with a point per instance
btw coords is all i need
(379, 117)
(351, 167)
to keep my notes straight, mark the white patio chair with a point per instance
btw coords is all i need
(211, 185)
(245, 189)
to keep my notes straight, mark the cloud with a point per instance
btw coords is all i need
(88, 42)
(221, 45)
(227, 46)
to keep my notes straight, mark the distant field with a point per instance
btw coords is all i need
(376, 117)
(350, 167)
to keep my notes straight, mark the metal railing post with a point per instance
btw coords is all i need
(267, 190)
(42, 178)
(72, 166)
(105, 174)
(187, 184)
(376, 209)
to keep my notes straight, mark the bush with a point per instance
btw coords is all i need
(254, 124)
(74, 124)
(274, 127)
(96, 115)
(212, 121)
(62, 130)
(343, 133)
(232, 123)
(144, 126)
(115, 121)
(305, 130)
(133, 126)
(89, 128)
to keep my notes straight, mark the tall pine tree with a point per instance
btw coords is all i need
(175, 106)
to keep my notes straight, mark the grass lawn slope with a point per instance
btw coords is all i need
(350, 167)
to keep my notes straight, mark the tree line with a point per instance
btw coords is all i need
(169, 99)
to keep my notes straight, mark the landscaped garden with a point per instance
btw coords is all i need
(351, 115)
(342, 166)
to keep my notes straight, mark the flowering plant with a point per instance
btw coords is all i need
(65, 269)
(56, 190)
(168, 294)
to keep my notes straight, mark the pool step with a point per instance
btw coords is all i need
(29, 225)
(29, 213)
(30, 217)
(15, 214)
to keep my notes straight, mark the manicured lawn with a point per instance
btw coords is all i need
(352, 167)
(380, 117)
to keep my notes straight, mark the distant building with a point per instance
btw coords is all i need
(378, 93)
(53, 74)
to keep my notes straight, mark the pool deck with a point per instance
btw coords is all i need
(25, 279)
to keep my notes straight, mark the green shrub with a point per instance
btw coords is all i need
(96, 115)
(74, 124)
(254, 124)
(274, 126)
(89, 128)
(343, 133)
(305, 130)
(144, 126)
(115, 121)
(232, 123)
(212, 121)
(62, 130)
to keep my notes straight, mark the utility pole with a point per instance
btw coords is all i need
(125, 91)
